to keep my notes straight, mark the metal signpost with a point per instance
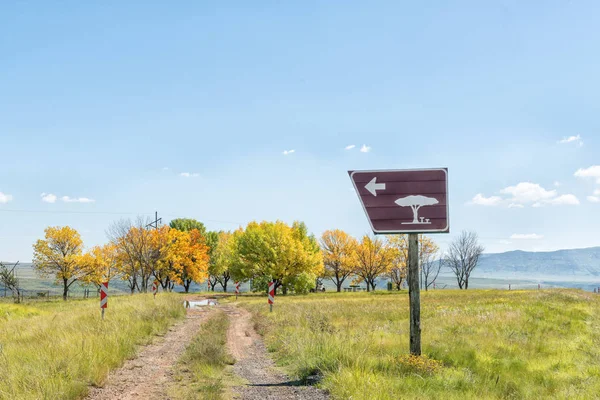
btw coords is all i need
(237, 289)
(271, 295)
(406, 202)
(103, 297)
(154, 288)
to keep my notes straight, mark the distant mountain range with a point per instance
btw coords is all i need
(575, 265)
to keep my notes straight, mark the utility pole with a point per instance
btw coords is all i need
(154, 224)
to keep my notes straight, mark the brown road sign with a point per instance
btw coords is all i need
(404, 201)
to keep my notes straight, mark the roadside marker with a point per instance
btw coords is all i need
(237, 289)
(154, 288)
(271, 295)
(103, 297)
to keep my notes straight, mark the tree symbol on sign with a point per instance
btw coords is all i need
(416, 202)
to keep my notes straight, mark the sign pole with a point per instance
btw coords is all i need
(414, 294)
(154, 288)
(271, 295)
(409, 201)
(103, 297)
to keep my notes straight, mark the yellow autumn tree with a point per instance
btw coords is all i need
(374, 258)
(136, 252)
(182, 257)
(399, 262)
(166, 246)
(193, 259)
(102, 263)
(428, 266)
(60, 254)
(339, 256)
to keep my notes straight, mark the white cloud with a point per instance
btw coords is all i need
(526, 236)
(287, 152)
(365, 148)
(165, 168)
(504, 242)
(68, 199)
(597, 192)
(591, 172)
(481, 200)
(565, 199)
(556, 183)
(593, 199)
(527, 192)
(189, 174)
(572, 139)
(5, 198)
(350, 147)
(48, 197)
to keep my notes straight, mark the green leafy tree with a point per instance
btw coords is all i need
(188, 224)
(277, 252)
(222, 258)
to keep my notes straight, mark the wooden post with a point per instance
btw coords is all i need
(414, 294)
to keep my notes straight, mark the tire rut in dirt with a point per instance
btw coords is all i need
(254, 365)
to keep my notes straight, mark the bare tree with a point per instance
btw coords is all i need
(463, 256)
(137, 256)
(430, 269)
(10, 281)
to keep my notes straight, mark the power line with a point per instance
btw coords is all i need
(110, 213)
(75, 212)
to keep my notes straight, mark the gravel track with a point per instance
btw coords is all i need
(148, 375)
(253, 364)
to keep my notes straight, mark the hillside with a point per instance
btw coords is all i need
(575, 264)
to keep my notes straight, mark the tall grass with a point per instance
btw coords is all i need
(201, 369)
(477, 344)
(54, 350)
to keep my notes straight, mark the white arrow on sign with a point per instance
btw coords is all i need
(373, 186)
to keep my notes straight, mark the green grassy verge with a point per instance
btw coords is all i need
(201, 369)
(478, 344)
(54, 350)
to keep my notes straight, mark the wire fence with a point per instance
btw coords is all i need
(52, 294)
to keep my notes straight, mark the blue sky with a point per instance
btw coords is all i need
(112, 103)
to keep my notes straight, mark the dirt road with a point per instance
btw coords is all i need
(145, 377)
(254, 365)
(149, 374)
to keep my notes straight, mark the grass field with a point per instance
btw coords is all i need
(54, 350)
(478, 344)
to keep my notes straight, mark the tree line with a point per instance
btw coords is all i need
(185, 252)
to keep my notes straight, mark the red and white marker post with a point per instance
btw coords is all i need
(237, 289)
(103, 297)
(154, 288)
(271, 295)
